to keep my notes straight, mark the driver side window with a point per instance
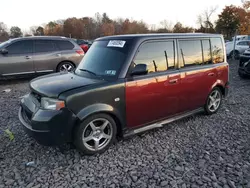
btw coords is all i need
(158, 56)
(20, 47)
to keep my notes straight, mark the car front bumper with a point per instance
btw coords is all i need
(47, 127)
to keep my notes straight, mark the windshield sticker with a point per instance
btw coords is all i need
(116, 43)
(110, 72)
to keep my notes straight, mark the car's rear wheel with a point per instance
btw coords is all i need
(242, 75)
(65, 66)
(214, 101)
(95, 134)
(235, 55)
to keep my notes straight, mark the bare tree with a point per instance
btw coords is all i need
(205, 19)
(33, 29)
(3, 32)
(153, 27)
(167, 25)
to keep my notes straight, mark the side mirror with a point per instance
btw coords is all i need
(140, 69)
(4, 51)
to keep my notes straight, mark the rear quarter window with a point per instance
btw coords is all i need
(217, 50)
(64, 45)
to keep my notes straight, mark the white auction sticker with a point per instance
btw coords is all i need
(116, 43)
(110, 72)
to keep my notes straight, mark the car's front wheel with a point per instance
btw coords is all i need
(95, 134)
(214, 101)
(65, 67)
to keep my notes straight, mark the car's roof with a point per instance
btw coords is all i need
(243, 40)
(157, 35)
(41, 37)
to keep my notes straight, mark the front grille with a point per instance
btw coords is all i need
(36, 96)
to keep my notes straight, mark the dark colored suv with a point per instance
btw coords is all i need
(126, 85)
(30, 55)
(244, 64)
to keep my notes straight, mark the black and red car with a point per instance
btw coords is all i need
(126, 85)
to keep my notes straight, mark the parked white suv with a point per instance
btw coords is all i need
(240, 47)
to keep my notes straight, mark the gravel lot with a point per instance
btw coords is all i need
(201, 151)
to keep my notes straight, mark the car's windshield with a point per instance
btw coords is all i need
(104, 58)
(4, 43)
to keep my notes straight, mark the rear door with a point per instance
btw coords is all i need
(46, 55)
(154, 96)
(197, 72)
(19, 59)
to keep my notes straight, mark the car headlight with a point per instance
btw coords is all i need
(51, 104)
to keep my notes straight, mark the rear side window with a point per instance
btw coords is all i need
(44, 46)
(207, 55)
(217, 50)
(20, 47)
(243, 43)
(64, 45)
(158, 56)
(190, 52)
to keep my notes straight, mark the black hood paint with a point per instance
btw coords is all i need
(53, 85)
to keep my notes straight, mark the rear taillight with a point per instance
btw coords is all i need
(227, 85)
(80, 52)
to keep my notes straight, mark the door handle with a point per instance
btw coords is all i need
(28, 57)
(173, 81)
(211, 74)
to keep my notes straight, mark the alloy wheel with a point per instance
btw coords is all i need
(214, 100)
(97, 134)
(67, 67)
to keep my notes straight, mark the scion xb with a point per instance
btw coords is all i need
(126, 85)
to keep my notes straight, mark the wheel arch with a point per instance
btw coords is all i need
(236, 50)
(221, 86)
(105, 109)
(63, 61)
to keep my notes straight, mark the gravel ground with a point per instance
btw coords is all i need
(201, 151)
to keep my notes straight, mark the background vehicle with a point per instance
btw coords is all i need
(84, 44)
(31, 55)
(244, 64)
(240, 47)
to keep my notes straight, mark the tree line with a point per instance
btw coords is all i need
(232, 19)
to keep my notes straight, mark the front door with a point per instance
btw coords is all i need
(153, 96)
(18, 60)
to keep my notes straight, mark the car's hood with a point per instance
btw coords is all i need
(53, 84)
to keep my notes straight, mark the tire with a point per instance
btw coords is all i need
(216, 94)
(241, 75)
(236, 55)
(65, 66)
(97, 139)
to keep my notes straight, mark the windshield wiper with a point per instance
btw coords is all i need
(85, 70)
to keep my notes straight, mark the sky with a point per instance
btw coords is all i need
(27, 13)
